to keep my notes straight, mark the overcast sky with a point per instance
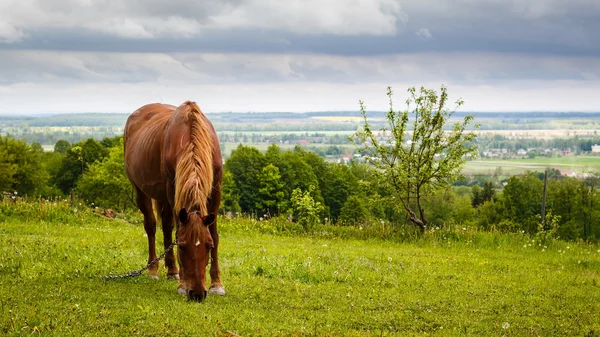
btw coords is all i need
(297, 55)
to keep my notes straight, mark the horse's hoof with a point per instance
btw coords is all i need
(173, 277)
(217, 290)
(153, 276)
(181, 291)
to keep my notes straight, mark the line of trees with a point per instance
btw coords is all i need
(264, 184)
(301, 184)
(575, 143)
(29, 171)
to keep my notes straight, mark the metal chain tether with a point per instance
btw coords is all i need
(135, 273)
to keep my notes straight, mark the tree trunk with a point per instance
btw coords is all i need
(421, 211)
(421, 223)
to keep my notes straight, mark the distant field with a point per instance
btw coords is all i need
(539, 134)
(353, 119)
(271, 133)
(80, 129)
(576, 164)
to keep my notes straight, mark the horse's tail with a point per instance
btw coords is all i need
(194, 171)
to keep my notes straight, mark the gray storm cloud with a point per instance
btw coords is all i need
(137, 19)
(146, 49)
(346, 27)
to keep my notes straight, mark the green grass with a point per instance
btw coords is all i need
(280, 282)
(577, 164)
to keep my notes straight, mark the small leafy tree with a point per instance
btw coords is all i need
(76, 160)
(522, 201)
(354, 210)
(105, 183)
(62, 146)
(21, 168)
(476, 195)
(305, 209)
(246, 164)
(270, 193)
(547, 231)
(229, 199)
(488, 191)
(418, 160)
(37, 148)
(7, 168)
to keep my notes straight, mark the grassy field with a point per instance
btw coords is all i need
(299, 133)
(351, 119)
(559, 132)
(451, 283)
(576, 164)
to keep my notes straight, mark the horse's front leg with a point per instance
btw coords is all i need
(216, 286)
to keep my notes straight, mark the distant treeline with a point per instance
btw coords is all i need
(226, 118)
(66, 120)
(576, 144)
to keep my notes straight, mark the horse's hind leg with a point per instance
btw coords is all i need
(145, 205)
(166, 214)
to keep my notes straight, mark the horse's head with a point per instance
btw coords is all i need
(194, 245)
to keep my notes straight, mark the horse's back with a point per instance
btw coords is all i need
(145, 117)
(143, 136)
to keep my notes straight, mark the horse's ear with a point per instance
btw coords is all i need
(209, 219)
(183, 216)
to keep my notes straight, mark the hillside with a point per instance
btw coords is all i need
(331, 282)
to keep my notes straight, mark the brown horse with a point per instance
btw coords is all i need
(173, 159)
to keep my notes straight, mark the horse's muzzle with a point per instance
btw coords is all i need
(195, 296)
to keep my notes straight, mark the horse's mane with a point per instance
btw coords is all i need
(194, 171)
